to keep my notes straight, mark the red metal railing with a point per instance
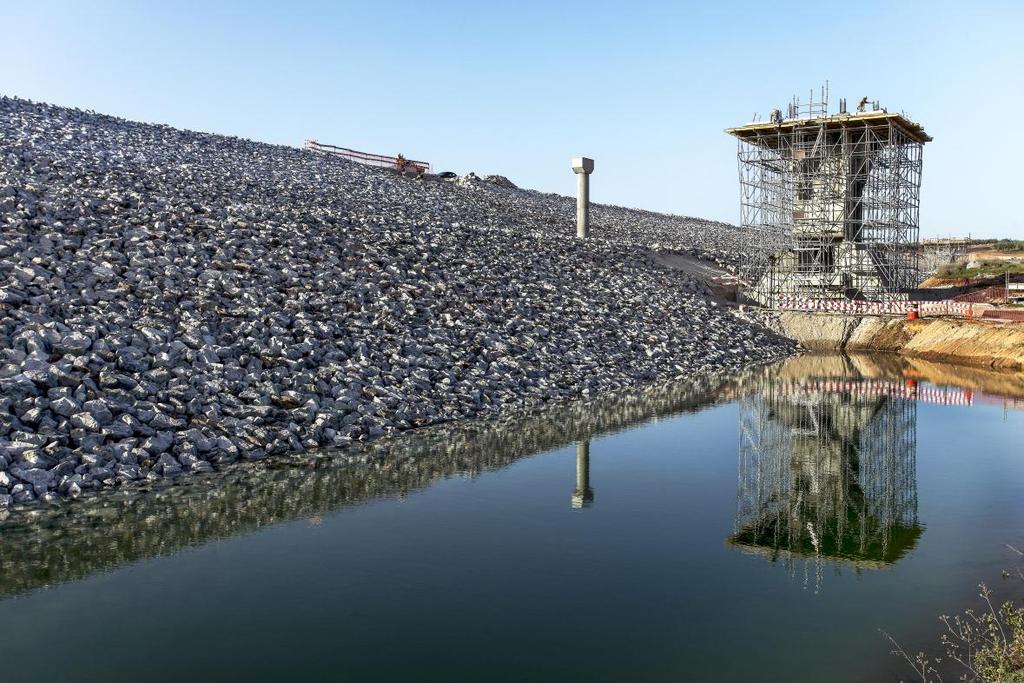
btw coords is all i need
(1013, 315)
(378, 160)
(983, 295)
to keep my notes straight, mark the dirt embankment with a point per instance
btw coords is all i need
(960, 341)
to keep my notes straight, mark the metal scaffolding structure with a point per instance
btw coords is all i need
(831, 202)
(826, 475)
(941, 251)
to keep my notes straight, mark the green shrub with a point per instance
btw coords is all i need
(987, 645)
(950, 270)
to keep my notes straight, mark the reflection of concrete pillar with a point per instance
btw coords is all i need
(583, 167)
(583, 496)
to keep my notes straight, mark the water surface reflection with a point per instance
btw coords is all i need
(827, 467)
(55, 545)
(374, 562)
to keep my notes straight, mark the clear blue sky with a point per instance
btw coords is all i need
(518, 88)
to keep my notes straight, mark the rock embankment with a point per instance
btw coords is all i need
(171, 301)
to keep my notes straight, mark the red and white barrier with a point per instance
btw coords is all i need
(894, 308)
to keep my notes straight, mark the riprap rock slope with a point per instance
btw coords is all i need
(171, 300)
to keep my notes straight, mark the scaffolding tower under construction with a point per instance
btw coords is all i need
(831, 202)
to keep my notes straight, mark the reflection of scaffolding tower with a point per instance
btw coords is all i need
(832, 203)
(827, 475)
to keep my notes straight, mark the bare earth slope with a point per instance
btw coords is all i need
(969, 342)
(171, 300)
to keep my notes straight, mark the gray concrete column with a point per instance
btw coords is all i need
(583, 167)
(583, 496)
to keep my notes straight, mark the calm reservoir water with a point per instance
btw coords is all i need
(760, 528)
